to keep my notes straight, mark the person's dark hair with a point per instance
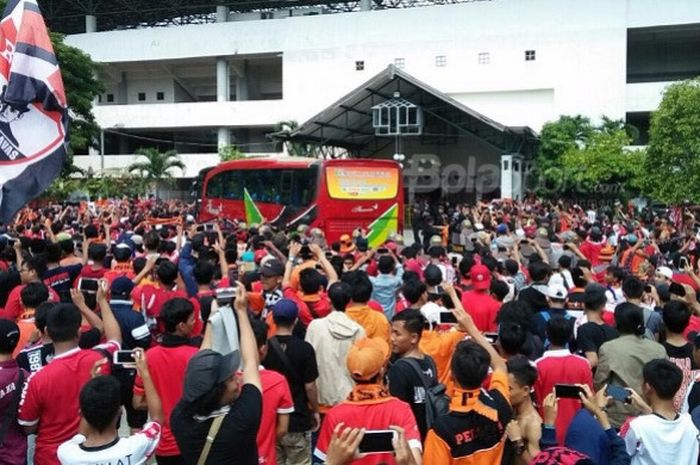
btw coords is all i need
(594, 297)
(122, 254)
(139, 264)
(470, 364)
(522, 370)
(174, 312)
(578, 277)
(8, 343)
(167, 272)
(203, 272)
(433, 275)
(515, 311)
(413, 321)
(565, 262)
(629, 319)
(310, 281)
(91, 231)
(260, 330)
(67, 246)
(386, 264)
(63, 322)
(539, 271)
(616, 272)
(676, 316)
(33, 294)
(511, 267)
(413, 290)
(339, 295)
(97, 253)
(559, 331)
(231, 254)
(466, 265)
(633, 287)
(499, 289)
(151, 240)
(100, 402)
(53, 253)
(36, 263)
(40, 315)
(436, 251)
(360, 286)
(663, 376)
(512, 337)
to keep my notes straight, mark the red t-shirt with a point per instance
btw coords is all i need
(483, 309)
(561, 367)
(167, 366)
(151, 297)
(277, 400)
(317, 306)
(89, 273)
(50, 399)
(375, 414)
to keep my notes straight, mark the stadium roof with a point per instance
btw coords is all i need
(348, 122)
(68, 16)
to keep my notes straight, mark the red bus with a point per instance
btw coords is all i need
(336, 196)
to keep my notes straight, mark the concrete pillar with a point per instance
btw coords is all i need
(242, 82)
(365, 5)
(507, 176)
(90, 23)
(222, 13)
(224, 137)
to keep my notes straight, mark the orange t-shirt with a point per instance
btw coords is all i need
(374, 323)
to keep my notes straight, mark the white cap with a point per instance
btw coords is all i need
(431, 312)
(557, 291)
(136, 239)
(665, 271)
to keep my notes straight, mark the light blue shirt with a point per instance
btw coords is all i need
(384, 289)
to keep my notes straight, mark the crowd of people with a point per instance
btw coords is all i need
(507, 332)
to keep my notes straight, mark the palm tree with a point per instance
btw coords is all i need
(157, 167)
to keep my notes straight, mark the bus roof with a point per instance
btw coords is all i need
(295, 162)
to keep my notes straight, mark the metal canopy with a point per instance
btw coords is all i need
(347, 123)
(68, 16)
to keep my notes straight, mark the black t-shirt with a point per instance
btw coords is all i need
(234, 443)
(681, 356)
(405, 384)
(534, 299)
(35, 357)
(591, 336)
(302, 358)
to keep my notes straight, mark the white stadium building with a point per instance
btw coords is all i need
(486, 74)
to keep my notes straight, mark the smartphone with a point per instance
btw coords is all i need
(491, 337)
(382, 250)
(11, 242)
(124, 358)
(377, 442)
(567, 391)
(683, 263)
(619, 393)
(447, 318)
(647, 288)
(88, 285)
(209, 226)
(225, 296)
(200, 228)
(676, 289)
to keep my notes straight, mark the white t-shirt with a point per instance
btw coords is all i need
(134, 450)
(652, 440)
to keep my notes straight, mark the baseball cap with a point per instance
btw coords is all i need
(272, 268)
(122, 286)
(367, 357)
(431, 312)
(259, 255)
(557, 291)
(285, 308)
(136, 239)
(481, 277)
(501, 229)
(206, 370)
(361, 243)
(9, 336)
(665, 271)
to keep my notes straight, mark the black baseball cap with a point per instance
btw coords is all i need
(9, 336)
(206, 370)
(271, 268)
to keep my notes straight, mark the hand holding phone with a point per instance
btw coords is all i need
(124, 358)
(448, 318)
(568, 391)
(377, 442)
(618, 393)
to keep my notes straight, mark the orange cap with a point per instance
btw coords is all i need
(367, 357)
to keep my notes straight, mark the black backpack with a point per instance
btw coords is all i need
(437, 403)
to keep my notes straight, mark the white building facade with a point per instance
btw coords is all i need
(519, 62)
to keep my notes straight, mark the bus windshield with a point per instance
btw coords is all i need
(292, 187)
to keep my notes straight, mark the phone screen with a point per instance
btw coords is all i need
(491, 337)
(377, 442)
(567, 391)
(124, 357)
(88, 285)
(618, 393)
(447, 318)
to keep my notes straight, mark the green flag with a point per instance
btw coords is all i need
(252, 214)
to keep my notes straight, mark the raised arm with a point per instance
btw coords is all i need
(249, 349)
(112, 331)
(155, 407)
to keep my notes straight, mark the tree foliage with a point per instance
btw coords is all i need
(672, 168)
(283, 130)
(577, 157)
(230, 152)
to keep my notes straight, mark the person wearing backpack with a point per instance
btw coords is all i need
(414, 373)
(13, 442)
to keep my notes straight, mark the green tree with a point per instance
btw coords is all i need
(157, 166)
(230, 152)
(283, 130)
(672, 167)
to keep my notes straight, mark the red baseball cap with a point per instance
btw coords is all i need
(481, 277)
